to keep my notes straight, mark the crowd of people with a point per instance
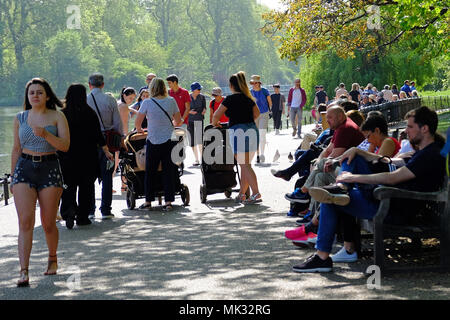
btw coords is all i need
(61, 149)
(341, 167)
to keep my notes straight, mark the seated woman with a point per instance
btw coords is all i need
(375, 128)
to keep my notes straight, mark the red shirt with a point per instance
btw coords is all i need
(347, 135)
(181, 97)
(214, 106)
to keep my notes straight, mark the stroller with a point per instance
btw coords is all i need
(133, 171)
(219, 177)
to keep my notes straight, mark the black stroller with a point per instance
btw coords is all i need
(133, 170)
(220, 175)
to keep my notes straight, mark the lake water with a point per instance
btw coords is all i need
(7, 115)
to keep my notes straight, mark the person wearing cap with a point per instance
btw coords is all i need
(148, 79)
(296, 101)
(216, 101)
(278, 101)
(264, 103)
(196, 116)
(181, 96)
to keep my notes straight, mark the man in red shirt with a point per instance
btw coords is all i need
(181, 96)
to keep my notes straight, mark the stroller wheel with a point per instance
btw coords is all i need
(228, 193)
(185, 196)
(203, 193)
(131, 200)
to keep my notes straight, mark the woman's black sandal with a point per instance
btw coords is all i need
(52, 266)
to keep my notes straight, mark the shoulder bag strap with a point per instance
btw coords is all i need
(165, 112)
(98, 111)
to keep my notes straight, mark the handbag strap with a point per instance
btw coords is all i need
(98, 111)
(165, 112)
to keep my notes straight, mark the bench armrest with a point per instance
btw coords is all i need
(381, 193)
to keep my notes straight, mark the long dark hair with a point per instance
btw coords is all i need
(76, 101)
(51, 104)
(126, 91)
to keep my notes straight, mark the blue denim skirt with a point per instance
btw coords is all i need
(244, 137)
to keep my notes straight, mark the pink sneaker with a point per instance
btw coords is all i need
(304, 241)
(295, 233)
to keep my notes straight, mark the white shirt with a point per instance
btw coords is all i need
(296, 98)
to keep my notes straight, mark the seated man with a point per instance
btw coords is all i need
(346, 135)
(424, 172)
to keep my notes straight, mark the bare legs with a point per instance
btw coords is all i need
(248, 176)
(25, 200)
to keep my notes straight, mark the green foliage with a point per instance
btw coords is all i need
(204, 41)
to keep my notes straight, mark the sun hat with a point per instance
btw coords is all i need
(216, 91)
(255, 79)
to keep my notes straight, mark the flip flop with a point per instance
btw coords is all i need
(167, 207)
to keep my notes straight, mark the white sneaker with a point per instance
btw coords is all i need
(343, 256)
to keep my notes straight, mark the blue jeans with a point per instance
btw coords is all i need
(107, 183)
(362, 205)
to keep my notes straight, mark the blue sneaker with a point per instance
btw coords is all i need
(297, 196)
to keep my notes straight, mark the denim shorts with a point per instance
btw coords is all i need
(244, 137)
(39, 175)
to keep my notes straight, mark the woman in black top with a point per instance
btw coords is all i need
(80, 165)
(241, 109)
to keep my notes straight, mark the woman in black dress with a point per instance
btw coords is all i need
(80, 165)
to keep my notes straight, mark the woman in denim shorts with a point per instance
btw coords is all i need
(241, 109)
(39, 132)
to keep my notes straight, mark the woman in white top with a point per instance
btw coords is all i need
(162, 116)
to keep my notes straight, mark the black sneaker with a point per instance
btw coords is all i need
(303, 221)
(84, 222)
(298, 196)
(314, 264)
(332, 194)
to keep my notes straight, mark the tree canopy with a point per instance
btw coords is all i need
(307, 27)
(63, 41)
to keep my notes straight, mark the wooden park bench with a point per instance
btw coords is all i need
(437, 206)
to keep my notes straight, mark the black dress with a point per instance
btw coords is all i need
(80, 165)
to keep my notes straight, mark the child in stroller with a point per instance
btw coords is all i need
(132, 167)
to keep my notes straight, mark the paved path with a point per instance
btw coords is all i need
(215, 251)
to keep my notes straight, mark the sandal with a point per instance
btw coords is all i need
(52, 266)
(256, 198)
(145, 206)
(240, 198)
(24, 279)
(167, 207)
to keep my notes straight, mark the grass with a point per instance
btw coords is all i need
(434, 93)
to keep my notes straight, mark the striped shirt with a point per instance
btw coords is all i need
(28, 140)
